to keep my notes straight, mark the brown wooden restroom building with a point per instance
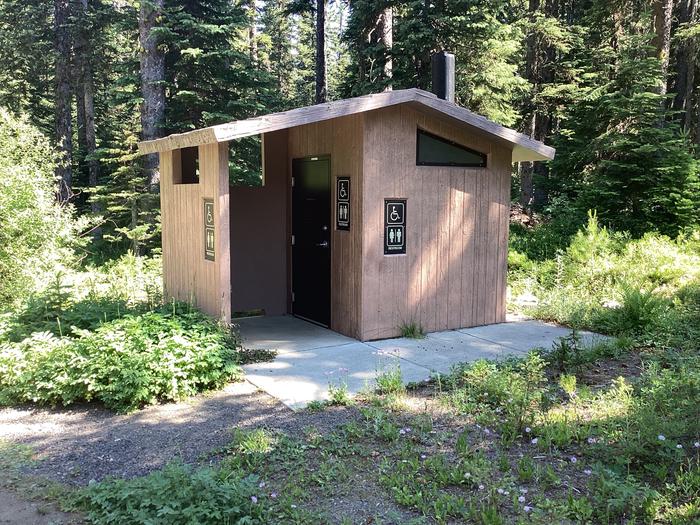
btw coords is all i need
(373, 212)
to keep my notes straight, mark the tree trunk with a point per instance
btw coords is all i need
(86, 109)
(386, 32)
(662, 17)
(64, 131)
(686, 56)
(252, 32)
(321, 84)
(532, 74)
(152, 80)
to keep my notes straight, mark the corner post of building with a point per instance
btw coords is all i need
(223, 239)
(167, 166)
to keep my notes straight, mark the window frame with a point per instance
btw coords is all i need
(483, 156)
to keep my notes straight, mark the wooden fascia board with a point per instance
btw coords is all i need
(523, 147)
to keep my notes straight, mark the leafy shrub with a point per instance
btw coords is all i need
(609, 282)
(166, 354)
(85, 300)
(177, 494)
(639, 309)
(36, 234)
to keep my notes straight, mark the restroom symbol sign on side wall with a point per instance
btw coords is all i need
(394, 226)
(209, 237)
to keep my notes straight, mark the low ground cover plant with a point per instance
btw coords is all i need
(104, 336)
(177, 494)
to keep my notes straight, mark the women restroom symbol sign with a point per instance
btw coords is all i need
(394, 226)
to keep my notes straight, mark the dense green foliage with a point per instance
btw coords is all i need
(36, 234)
(177, 494)
(646, 288)
(621, 153)
(586, 77)
(104, 337)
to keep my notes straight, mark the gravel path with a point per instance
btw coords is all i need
(87, 443)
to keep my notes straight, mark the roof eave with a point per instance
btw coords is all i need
(524, 148)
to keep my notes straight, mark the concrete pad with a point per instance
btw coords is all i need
(526, 335)
(310, 357)
(285, 333)
(299, 377)
(440, 351)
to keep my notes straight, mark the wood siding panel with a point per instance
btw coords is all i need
(259, 236)
(187, 276)
(453, 274)
(340, 138)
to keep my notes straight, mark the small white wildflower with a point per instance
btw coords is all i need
(500, 491)
(528, 430)
(697, 444)
(527, 508)
(254, 499)
(273, 495)
(662, 437)
(523, 490)
(573, 459)
(521, 499)
(293, 506)
(261, 484)
(467, 475)
(591, 440)
(534, 441)
(487, 431)
(481, 487)
(679, 446)
(423, 456)
(588, 472)
(506, 493)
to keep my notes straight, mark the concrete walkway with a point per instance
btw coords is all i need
(310, 357)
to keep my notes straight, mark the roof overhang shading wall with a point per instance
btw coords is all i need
(523, 147)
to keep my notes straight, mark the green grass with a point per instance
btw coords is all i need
(412, 330)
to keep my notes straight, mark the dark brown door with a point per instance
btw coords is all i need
(311, 249)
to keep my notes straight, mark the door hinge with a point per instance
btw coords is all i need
(292, 182)
(292, 296)
(293, 240)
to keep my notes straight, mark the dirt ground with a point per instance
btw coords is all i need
(78, 445)
(18, 511)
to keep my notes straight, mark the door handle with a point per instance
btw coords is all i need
(323, 244)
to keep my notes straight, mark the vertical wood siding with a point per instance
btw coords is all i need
(453, 274)
(187, 276)
(340, 138)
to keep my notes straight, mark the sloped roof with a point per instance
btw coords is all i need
(524, 148)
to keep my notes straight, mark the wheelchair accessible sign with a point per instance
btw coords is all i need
(394, 226)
